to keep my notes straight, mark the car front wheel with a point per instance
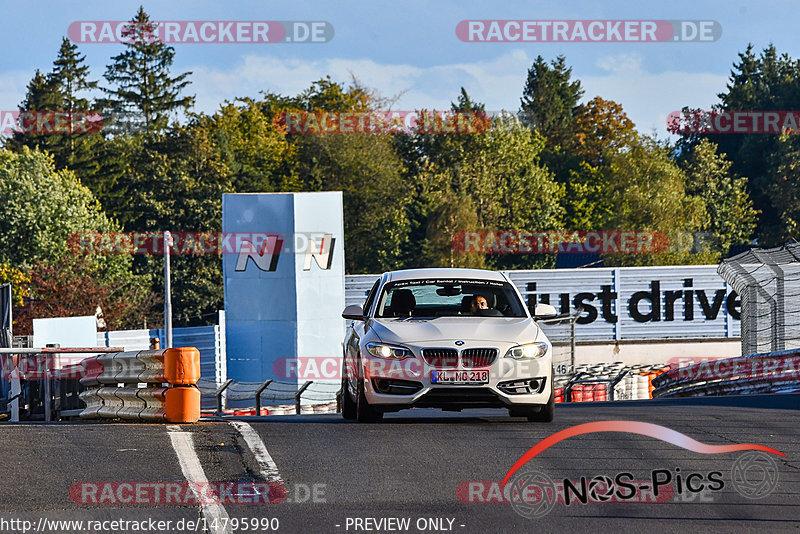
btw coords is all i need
(365, 413)
(546, 414)
(348, 404)
(536, 414)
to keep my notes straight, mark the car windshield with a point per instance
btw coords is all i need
(449, 297)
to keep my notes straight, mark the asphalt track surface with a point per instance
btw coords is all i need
(411, 465)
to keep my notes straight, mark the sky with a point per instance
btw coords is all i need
(409, 50)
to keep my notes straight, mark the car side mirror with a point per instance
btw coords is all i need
(544, 310)
(354, 312)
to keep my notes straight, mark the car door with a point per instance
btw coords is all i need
(355, 332)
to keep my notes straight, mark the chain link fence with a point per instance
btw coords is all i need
(768, 283)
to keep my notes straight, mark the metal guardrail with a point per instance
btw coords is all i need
(113, 385)
(756, 373)
(255, 393)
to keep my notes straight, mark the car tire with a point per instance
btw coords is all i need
(546, 413)
(364, 412)
(348, 404)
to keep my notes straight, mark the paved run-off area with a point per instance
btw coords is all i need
(420, 470)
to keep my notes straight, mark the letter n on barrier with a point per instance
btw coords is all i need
(323, 254)
(266, 259)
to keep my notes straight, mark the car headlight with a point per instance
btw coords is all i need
(389, 352)
(527, 351)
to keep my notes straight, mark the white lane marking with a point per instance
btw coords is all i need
(265, 462)
(215, 514)
(173, 428)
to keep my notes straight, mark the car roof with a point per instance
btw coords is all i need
(413, 274)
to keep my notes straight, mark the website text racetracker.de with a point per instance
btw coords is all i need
(554, 241)
(588, 31)
(781, 367)
(200, 31)
(696, 121)
(195, 243)
(386, 122)
(201, 524)
(41, 122)
(623, 488)
(410, 368)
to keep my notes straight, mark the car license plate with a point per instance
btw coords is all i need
(460, 376)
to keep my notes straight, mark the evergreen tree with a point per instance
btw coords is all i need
(77, 151)
(72, 75)
(59, 91)
(42, 94)
(549, 99)
(765, 82)
(145, 93)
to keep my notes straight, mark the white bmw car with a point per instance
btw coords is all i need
(449, 339)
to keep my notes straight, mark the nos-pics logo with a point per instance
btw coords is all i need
(266, 252)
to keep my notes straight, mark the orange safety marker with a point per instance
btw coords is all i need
(182, 366)
(182, 404)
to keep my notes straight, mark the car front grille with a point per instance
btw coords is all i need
(477, 358)
(460, 397)
(449, 359)
(441, 358)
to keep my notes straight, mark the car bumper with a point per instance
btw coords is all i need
(407, 383)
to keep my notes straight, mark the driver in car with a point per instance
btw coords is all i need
(479, 303)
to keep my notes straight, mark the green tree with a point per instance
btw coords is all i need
(257, 153)
(60, 91)
(367, 170)
(145, 94)
(765, 82)
(364, 166)
(175, 181)
(783, 177)
(76, 151)
(72, 76)
(43, 209)
(601, 131)
(499, 177)
(550, 98)
(328, 95)
(450, 215)
(647, 191)
(43, 94)
(730, 216)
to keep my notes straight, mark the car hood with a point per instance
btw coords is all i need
(499, 329)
